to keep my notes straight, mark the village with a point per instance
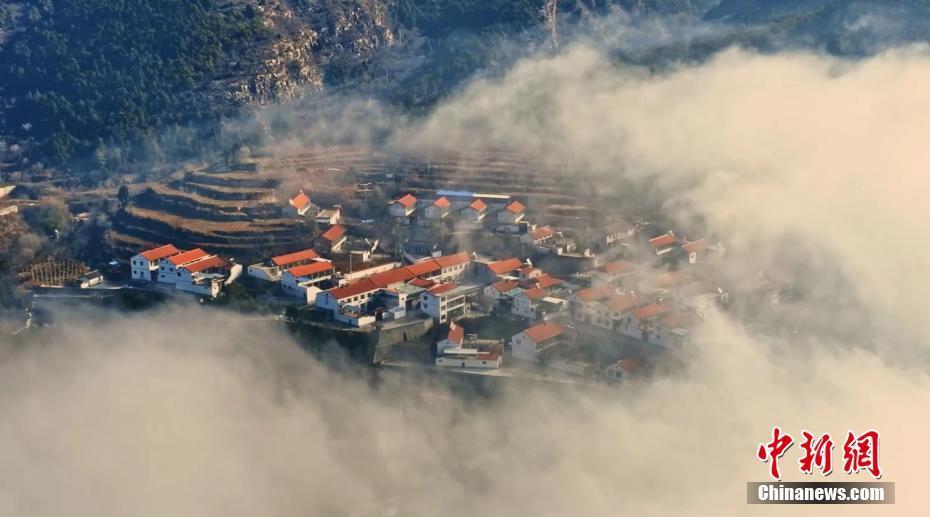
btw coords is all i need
(599, 314)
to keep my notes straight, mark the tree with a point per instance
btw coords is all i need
(123, 196)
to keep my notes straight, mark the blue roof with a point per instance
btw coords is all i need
(455, 193)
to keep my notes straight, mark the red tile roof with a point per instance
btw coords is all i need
(334, 233)
(424, 267)
(623, 302)
(207, 263)
(299, 201)
(535, 293)
(663, 241)
(421, 282)
(546, 281)
(612, 268)
(594, 293)
(628, 364)
(505, 266)
(391, 277)
(459, 258)
(187, 256)
(515, 207)
(442, 288)
(695, 246)
(406, 201)
(648, 311)
(504, 286)
(310, 269)
(361, 286)
(683, 320)
(543, 232)
(160, 252)
(488, 356)
(456, 333)
(442, 203)
(297, 256)
(543, 331)
(478, 205)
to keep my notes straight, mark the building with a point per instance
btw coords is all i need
(526, 302)
(332, 240)
(489, 272)
(475, 212)
(617, 232)
(469, 358)
(355, 295)
(144, 266)
(672, 329)
(453, 267)
(447, 301)
(403, 206)
(455, 337)
(583, 304)
(538, 342)
(299, 205)
(438, 209)
(664, 243)
(169, 267)
(272, 269)
(621, 369)
(512, 213)
(700, 250)
(500, 288)
(538, 236)
(617, 274)
(206, 275)
(303, 281)
(90, 279)
(329, 217)
(636, 323)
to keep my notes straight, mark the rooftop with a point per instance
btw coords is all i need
(543, 331)
(206, 263)
(543, 232)
(505, 266)
(516, 207)
(297, 256)
(478, 205)
(442, 288)
(613, 268)
(187, 256)
(160, 252)
(334, 233)
(361, 286)
(406, 200)
(663, 241)
(442, 203)
(648, 311)
(311, 269)
(594, 294)
(299, 201)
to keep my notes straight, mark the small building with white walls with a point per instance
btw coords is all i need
(144, 266)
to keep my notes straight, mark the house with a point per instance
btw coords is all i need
(545, 281)
(299, 205)
(206, 275)
(617, 274)
(528, 272)
(500, 288)
(512, 213)
(557, 246)
(637, 322)
(444, 302)
(469, 358)
(169, 267)
(454, 338)
(702, 298)
(145, 264)
(475, 211)
(272, 269)
(582, 303)
(536, 304)
(355, 296)
(664, 243)
(621, 369)
(672, 329)
(602, 307)
(90, 279)
(700, 250)
(538, 342)
(438, 209)
(453, 267)
(303, 281)
(403, 206)
(488, 272)
(332, 239)
(329, 217)
(537, 236)
(617, 232)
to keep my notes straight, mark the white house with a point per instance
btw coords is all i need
(330, 216)
(583, 304)
(512, 213)
(469, 358)
(664, 243)
(168, 268)
(356, 295)
(145, 265)
(444, 302)
(526, 302)
(613, 274)
(302, 281)
(205, 276)
(90, 279)
(299, 205)
(535, 342)
(637, 322)
(488, 272)
(475, 212)
(438, 209)
(672, 329)
(538, 236)
(500, 288)
(403, 206)
(271, 270)
(621, 369)
(617, 232)
(454, 338)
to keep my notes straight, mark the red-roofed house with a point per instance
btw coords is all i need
(452, 267)
(475, 212)
(403, 206)
(637, 322)
(621, 369)
(538, 236)
(535, 304)
(393, 278)
(444, 302)
(299, 205)
(538, 341)
(206, 275)
(425, 269)
(613, 274)
(499, 288)
(488, 272)
(672, 329)
(332, 239)
(584, 305)
(512, 213)
(664, 243)
(617, 232)
(356, 294)
(303, 281)
(438, 209)
(298, 258)
(168, 267)
(454, 338)
(546, 281)
(145, 264)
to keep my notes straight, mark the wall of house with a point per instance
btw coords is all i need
(450, 362)
(524, 348)
(267, 273)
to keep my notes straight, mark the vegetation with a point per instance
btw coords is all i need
(91, 75)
